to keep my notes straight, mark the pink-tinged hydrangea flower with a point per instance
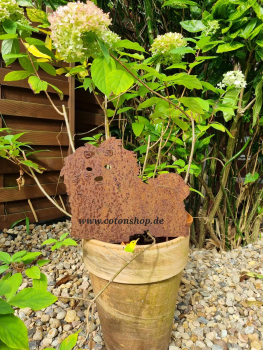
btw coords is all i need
(69, 24)
(163, 44)
(9, 9)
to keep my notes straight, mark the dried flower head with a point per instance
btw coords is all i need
(70, 23)
(163, 45)
(233, 78)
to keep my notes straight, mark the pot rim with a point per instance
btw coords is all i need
(139, 247)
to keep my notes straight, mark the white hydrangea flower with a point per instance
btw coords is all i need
(233, 78)
(163, 44)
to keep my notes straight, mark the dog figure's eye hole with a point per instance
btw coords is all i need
(107, 166)
(89, 168)
(88, 154)
(108, 153)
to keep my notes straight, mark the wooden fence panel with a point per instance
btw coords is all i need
(44, 128)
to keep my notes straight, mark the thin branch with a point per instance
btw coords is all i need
(44, 192)
(68, 129)
(192, 151)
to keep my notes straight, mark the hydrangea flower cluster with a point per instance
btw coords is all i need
(163, 44)
(211, 28)
(9, 9)
(233, 78)
(69, 24)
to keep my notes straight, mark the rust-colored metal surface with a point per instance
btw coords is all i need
(103, 186)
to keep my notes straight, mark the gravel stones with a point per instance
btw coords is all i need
(212, 312)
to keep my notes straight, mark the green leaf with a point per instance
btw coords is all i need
(258, 103)
(260, 43)
(209, 86)
(230, 99)
(48, 68)
(42, 262)
(127, 44)
(248, 29)
(14, 282)
(189, 81)
(87, 83)
(13, 332)
(69, 241)
(193, 26)
(34, 298)
(179, 162)
(178, 65)
(104, 50)
(36, 15)
(4, 287)
(27, 65)
(10, 46)
(137, 128)
(5, 257)
(251, 178)
(100, 69)
(49, 241)
(5, 308)
(37, 85)
(59, 92)
(8, 36)
(33, 41)
(29, 257)
(203, 103)
(40, 283)
(56, 246)
(9, 26)
(229, 47)
(149, 103)
(14, 55)
(17, 256)
(3, 268)
(192, 104)
(119, 81)
(69, 342)
(181, 2)
(183, 50)
(64, 234)
(33, 272)
(183, 125)
(17, 75)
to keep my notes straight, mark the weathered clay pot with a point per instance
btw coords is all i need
(136, 311)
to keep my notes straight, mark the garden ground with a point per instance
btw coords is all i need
(214, 311)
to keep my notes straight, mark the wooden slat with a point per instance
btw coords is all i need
(42, 137)
(35, 124)
(26, 109)
(45, 178)
(24, 95)
(50, 164)
(42, 214)
(31, 191)
(50, 152)
(89, 118)
(38, 203)
(61, 85)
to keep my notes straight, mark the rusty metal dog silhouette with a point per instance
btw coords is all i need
(110, 202)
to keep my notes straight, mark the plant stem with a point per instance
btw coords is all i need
(192, 151)
(68, 129)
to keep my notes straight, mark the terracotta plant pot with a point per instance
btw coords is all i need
(136, 311)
